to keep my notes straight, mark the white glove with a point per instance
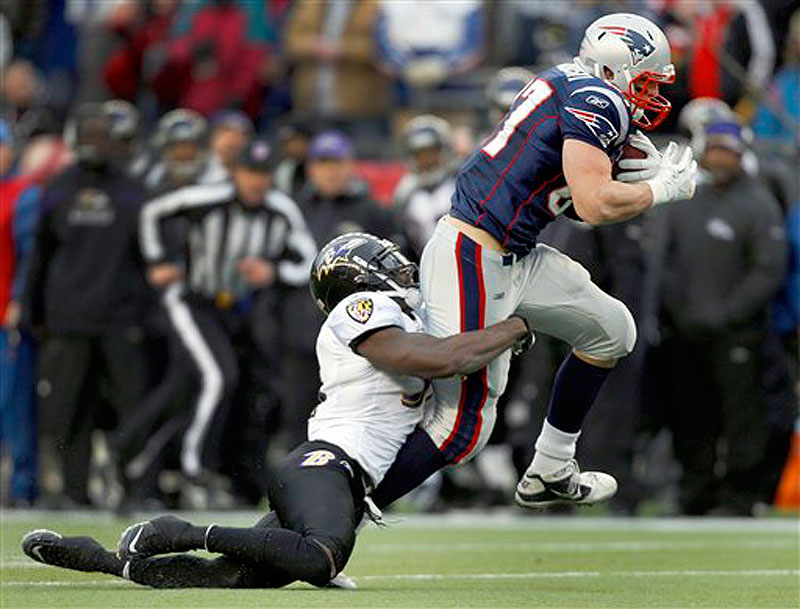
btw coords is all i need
(676, 176)
(639, 170)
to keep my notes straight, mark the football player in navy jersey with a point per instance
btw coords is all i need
(551, 154)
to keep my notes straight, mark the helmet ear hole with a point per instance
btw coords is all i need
(608, 72)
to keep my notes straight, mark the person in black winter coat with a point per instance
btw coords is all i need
(86, 290)
(724, 260)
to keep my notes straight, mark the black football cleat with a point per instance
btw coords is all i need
(75, 553)
(162, 535)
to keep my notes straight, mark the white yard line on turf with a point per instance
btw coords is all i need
(554, 547)
(511, 518)
(463, 576)
(568, 547)
(579, 574)
(517, 519)
(508, 519)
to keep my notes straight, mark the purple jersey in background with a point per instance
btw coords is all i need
(514, 185)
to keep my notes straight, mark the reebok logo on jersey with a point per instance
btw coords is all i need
(360, 310)
(605, 131)
(316, 458)
(598, 101)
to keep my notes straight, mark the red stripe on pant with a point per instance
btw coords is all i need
(474, 388)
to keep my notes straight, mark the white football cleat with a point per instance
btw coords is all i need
(566, 485)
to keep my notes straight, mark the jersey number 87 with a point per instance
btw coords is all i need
(534, 94)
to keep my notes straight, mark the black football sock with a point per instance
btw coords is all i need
(187, 571)
(575, 388)
(299, 556)
(417, 460)
(107, 562)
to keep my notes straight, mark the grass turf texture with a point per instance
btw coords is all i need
(470, 560)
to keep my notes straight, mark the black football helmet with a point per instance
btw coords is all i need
(359, 262)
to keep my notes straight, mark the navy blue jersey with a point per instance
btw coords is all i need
(514, 185)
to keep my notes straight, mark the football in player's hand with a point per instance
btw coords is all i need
(628, 152)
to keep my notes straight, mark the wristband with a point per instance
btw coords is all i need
(659, 191)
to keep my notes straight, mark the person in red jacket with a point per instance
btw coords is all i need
(19, 207)
(215, 66)
(142, 52)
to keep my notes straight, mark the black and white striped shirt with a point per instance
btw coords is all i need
(156, 180)
(222, 231)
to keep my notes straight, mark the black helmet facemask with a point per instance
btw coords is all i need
(393, 270)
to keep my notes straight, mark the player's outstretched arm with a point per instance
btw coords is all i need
(599, 199)
(397, 352)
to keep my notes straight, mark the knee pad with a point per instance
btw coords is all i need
(619, 331)
(622, 332)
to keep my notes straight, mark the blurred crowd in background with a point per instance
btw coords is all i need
(168, 169)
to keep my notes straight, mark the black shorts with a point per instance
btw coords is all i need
(318, 490)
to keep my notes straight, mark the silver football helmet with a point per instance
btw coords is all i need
(630, 53)
(182, 126)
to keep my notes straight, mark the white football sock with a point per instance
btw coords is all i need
(553, 449)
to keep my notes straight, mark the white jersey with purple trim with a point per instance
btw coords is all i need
(365, 412)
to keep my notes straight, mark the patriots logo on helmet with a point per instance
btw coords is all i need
(638, 45)
(599, 124)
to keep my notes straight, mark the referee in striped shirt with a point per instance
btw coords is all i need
(243, 237)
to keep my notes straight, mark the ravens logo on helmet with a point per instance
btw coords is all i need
(359, 262)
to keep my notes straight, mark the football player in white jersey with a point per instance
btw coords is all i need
(374, 359)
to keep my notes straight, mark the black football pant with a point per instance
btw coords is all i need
(79, 376)
(716, 393)
(317, 498)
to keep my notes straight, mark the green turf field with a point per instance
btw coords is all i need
(470, 560)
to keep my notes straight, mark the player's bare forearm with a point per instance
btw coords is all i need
(616, 202)
(471, 351)
(599, 199)
(397, 352)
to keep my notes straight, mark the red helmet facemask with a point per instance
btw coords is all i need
(657, 105)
